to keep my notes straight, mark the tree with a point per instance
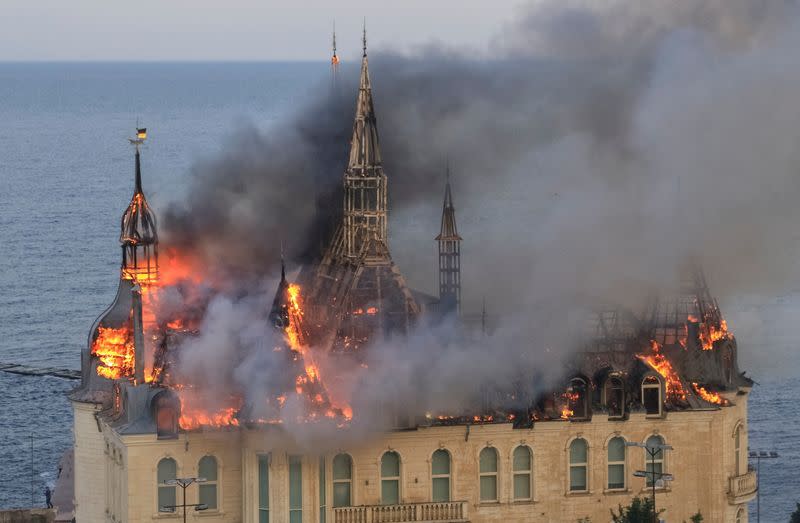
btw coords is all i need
(795, 515)
(697, 518)
(639, 511)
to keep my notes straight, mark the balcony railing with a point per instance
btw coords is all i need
(743, 488)
(451, 512)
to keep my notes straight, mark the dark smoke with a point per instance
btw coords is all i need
(595, 152)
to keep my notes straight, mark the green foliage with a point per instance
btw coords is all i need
(639, 511)
(697, 518)
(795, 515)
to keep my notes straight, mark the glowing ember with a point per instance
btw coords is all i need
(661, 364)
(194, 413)
(711, 397)
(114, 350)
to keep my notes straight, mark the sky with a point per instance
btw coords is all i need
(100, 30)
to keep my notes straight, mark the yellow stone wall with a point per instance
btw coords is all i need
(702, 461)
(89, 472)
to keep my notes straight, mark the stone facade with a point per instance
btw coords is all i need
(116, 474)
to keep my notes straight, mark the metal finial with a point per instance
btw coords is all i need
(334, 38)
(364, 37)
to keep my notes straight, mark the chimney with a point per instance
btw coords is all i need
(138, 335)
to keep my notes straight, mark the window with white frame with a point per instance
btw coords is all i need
(655, 462)
(342, 480)
(578, 465)
(295, 489)
(207, 468)
(323, 505)
(616, 463)
(522, 467)
(651, 395)
(737, 449)
(390, 478)
(440, 476)
(488, 474)
(167, 470)
(263, 488)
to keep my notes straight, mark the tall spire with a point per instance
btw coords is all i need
(364, 38)
(449, 254)
(334, 57)
(365, 183)
(138, 233)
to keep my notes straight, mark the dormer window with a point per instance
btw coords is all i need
(651, 395)
(578, 398)
(614, 397)
(166, 410)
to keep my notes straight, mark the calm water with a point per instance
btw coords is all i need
(65, 178)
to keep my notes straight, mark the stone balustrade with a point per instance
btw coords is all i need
(452, 511)
(743, 488)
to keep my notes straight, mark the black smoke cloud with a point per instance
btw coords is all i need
(595, 149)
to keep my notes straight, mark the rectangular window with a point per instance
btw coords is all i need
(522, 486)
(263, 489)
(208, 495)
(295, 489)
(166, 497)
(650, 468)
(441, 490)
(577, 478)
(488, 488)
(616, 476)
(322, 499)
(390, 492)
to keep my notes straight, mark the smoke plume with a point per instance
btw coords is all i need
(595, 148)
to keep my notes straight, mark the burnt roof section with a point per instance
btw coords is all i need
(138, 225)
(365, 153)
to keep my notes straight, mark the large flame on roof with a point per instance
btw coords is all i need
(711, 397)
(662, 365)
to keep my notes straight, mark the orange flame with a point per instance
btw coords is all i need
(661, 364)
(114, 350)
(711, 397)
(710, 333)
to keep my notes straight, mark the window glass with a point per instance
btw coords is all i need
(167, 469)
(522, 486)
(488, 488)
(295, 489)
(522, 458)
(655, 462)
(440, 464)
(342, 480)
(488, 460)
(651, 395)
(208, 468)
(577, 451)
(578, 459)
(390, 478)
(322, 493)
(616, 463)
(440, 472)
(263, 489)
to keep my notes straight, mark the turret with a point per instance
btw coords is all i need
(116, 340)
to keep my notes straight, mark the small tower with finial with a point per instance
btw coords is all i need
(449, 254)
(138, 235)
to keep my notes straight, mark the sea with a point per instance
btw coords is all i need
(66, 175)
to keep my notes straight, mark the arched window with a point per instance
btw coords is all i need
(616, 463)
(167, 472)
(578, 398)
(342, 480)
(651, 395)
(737, 449)
(440, 476)
(578, 465)
(207, 468)
(522, 467)
(740, 516)
(615, 397)
(488, 474)
(655, 461)
(390, 478)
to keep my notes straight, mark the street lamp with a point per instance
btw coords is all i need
(652, 451)
(183, 483)
(758, 455)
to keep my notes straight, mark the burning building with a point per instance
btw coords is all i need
(667, 375)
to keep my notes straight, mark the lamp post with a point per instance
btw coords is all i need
(758, 455)
(183, 483)
(652, 451)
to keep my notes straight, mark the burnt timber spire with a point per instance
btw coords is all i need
(365, 196)
(355, 292)
(449, 255)
(138, 233)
